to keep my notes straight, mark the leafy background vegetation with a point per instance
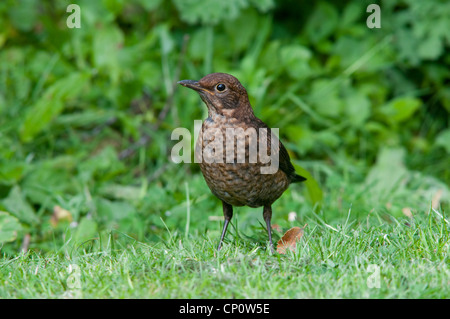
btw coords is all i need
(86, 114)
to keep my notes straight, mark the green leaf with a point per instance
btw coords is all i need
(17, 205)
(48, 179)
(357, 108)
(9, 227)
(242, 31)
(11, 172)
(118, 214)
(38, 117)
(209, 11)
(314, 190)
(400, 109)
(445, 98)
(105, 164)
(386, 174)
(150, 5)
(263, 5)
(443, 139)
(86, 229)
(114, 210)
(325, 98)
(24, 14)
(430, 48)
(328, 138)
(107, 44)
(51, 104)
(322, 22)
(114, 6)
(295, 58)
(351, 14)
(85, 118)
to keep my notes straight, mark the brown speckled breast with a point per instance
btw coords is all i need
(238, 184)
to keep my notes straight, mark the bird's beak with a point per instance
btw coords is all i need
(191, 84)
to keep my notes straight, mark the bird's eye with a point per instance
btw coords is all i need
(221, 87)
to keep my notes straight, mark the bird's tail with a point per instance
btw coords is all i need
(297, 178)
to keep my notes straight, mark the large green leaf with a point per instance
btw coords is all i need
(443, 139)
(314, 190)
(386, 174)
(86, 230)
(17, 205)
(106, 45)
(322, 22)
(11, 172)
(51, 104)
(9, 226)
(215, 11)
(357, 108)
(400, 109)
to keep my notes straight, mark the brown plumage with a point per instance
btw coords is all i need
(239, 181)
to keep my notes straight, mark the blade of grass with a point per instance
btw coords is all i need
(188, 209)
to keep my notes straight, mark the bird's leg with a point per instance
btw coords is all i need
(267, 215)
(227, 214)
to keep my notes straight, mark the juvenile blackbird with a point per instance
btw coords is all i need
(237, 179)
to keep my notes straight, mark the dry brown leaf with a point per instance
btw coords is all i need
(436, 199)
(25, 243)
(407, 212)
(276, 227)
(59, 214)
(289, 239)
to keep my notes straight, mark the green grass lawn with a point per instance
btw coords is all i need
(92, 204)
(383, 234)
(380, 232)
(379, 257)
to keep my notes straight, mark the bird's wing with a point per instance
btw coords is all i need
(287, 167)
(284, 160)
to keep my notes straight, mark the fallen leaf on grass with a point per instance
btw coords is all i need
(25, 243)
(407, 212)
(289, 239)
(436, 199)
(59, 214)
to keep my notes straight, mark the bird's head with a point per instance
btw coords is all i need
(222, 93)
